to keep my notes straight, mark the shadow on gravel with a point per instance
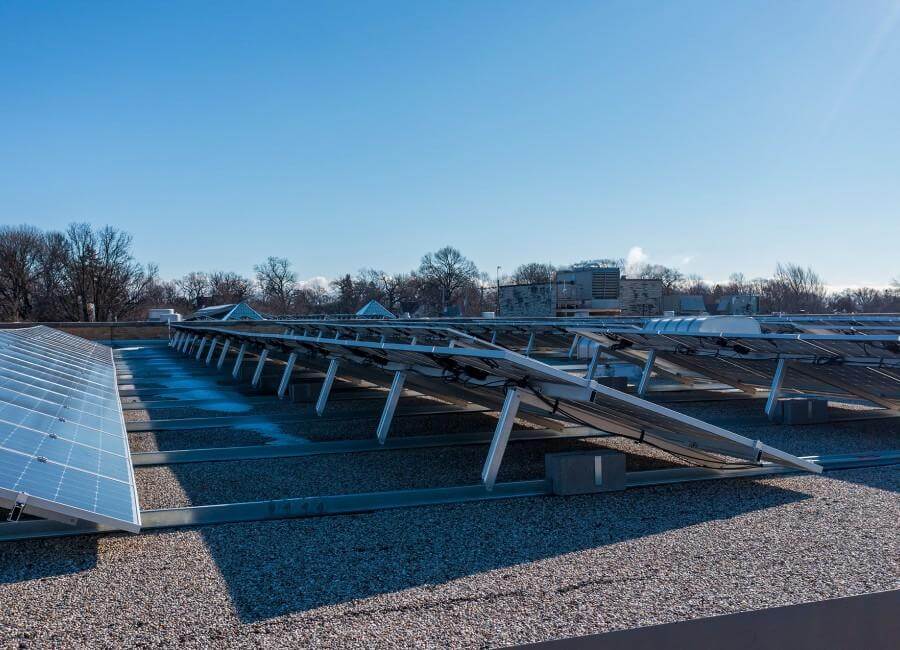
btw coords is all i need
(276, 568)
(46, 558)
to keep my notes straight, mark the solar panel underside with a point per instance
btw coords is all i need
(866, 366)
(485, 373)
(63, 447)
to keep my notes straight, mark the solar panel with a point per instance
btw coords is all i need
(862, 365)
(63, 448)
(489, 375)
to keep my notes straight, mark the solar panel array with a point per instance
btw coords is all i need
(63, 447)
(863, 365)
(484, 373)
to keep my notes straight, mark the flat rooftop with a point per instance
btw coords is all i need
(487, 573)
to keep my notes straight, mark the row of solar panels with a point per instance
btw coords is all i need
(859, 364)
(555, 334)
(63, 449)
(464, 368)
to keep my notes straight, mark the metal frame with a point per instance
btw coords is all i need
(367, 502)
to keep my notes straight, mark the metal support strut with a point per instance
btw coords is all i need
(574, 346)
(326, 387)
(236, 372)
(257, 374)
(775, 390)
(223, 354)
(388, 414)
(645, 375)
(201, 348)
(212, 350)
(286, 377)
(501, 437)
(592, 366)
(530, 346)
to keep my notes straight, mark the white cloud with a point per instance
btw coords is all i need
(636, 256)
(317, 281)
(687, 259)
(837, 288)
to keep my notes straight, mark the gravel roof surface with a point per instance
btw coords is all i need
(482, 574)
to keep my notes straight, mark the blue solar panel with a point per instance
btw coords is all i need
(63, 446)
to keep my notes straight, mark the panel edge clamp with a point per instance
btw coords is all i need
(16, 511)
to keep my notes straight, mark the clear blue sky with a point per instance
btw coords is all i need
(716, 136)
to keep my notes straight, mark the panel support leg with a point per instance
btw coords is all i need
(574, 346)
(190, 344)
(530, 346)
(388, 414)
(257, 374)
(212, 349)
(236, 372)
(326, 387)
(173, 343)
(775, 390)
(286, 377)
(201, 348)
(592, 366)
(501, 437)
(645, 375)
(223, 353)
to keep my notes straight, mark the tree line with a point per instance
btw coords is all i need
(86, 273)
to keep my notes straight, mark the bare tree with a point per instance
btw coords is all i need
(21, 249)
(230, 287)
(795, 289)
(51, 289)
(864, 300)
(695, 285)
(533, 273)
(277, 282)
(447, 272)
(671, 278)
(194, 286)
(103, 280)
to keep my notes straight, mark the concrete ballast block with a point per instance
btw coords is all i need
(585, 472)
(801, 410)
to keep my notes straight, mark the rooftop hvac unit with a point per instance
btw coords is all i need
(605, 283)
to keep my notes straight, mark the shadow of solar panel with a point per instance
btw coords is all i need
(63, 447)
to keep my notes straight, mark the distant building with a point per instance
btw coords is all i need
(640, 297)
(683, 304)
(589, 291)
(583, 292)
(163, 316)
(238, 311)
(528, 300)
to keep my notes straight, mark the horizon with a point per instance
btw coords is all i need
(712, 139)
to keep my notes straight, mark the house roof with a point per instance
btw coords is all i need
(233, 311)
(374, 309)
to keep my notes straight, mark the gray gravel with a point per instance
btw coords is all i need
(208, 483)
(485, 574)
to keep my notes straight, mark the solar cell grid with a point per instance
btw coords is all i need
(63, 447)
